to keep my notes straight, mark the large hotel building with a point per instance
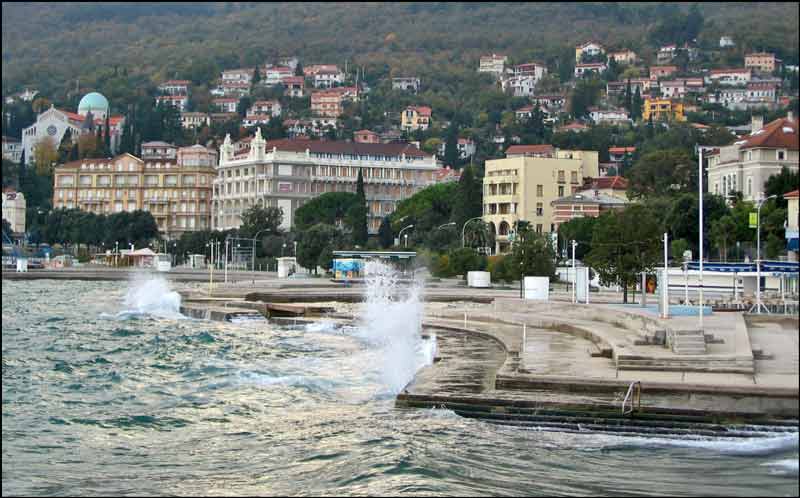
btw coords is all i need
(287, 173)
(524, 184)
(175, 188)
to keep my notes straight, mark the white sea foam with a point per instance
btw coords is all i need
(151, 295)
(787, 467)
(321, 326)
(391, 324)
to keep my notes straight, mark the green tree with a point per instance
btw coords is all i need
(385, 233)
(469, 199)
(313, 243)
(465, 259)
(723, 233)
(659, 173)
(579, 230)
(358, 214)
(258, 218)
(533, 255)
(636, 105)
(625, 244)
(782, 183)
(65, 147)
(451, 156)
(107, 139)
(330, 208)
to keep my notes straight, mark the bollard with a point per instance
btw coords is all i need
(524, 336)
(465, 319)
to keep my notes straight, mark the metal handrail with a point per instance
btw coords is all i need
(638, 395)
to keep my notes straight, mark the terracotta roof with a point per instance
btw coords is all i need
(421, 109)
(171, 97)
(223, 100)
(574, 126)
(293, 79)
(354, 148)
(621, 150)
(734, 70)
(606, 182)
(530, 149)
(792, 195)
(781, 133)
(367, 131)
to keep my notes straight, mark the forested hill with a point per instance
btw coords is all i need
(49, 46)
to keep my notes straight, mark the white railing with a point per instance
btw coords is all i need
(634, 392)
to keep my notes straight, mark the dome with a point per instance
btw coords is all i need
(93, 102)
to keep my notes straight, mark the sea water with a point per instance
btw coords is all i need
(107, 389)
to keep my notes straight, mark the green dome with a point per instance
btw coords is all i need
(93, 102)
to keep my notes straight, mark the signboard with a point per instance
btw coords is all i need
(537, 288)
(753, 220)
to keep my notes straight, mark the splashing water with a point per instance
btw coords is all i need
(152, 295)
(391, 321)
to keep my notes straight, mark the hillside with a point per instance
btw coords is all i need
(51, 46)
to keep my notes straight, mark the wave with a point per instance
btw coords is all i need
(784, 467)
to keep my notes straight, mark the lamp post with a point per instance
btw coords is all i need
(574, 274)
(700, 189)
(399, 235)
(283, 248)
(758, 255)
(295, 249)
(227, 245)
(463, 228)
(254, 245)
(446, 225)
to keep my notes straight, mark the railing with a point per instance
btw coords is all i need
(631, 394)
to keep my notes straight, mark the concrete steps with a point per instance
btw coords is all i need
(687, 342)
(704, 363)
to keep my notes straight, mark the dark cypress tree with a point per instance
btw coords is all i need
(636, 112)
(468, 201)
(107, 138)
(360, 232)
(451, 157)
(98, 143)
(629, 98)
(298, 70)
(385, 233)
(65, 147)
(74, 153)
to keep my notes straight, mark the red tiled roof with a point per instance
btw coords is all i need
(293, 79)
(734, 70)
(354, 148)
(574, 126)
(781, 133)
(171, 97)
(792, 195)
(530, 149)
(223, 100)
(621, 150)
(422, 110)
(367, 131)
(606, 182)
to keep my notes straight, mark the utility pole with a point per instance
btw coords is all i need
(574, 274)
(700, 182)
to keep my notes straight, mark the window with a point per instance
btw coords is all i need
(749, 186)
(561, 176)
(539, 228)
(781, 154)
(539, 191)
(539, 209)
(573, 177)
(561, 191)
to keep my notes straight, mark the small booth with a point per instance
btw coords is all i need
(287, 266)
(197, 261)
(349, 265)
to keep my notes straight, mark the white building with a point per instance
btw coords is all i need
(178, 101)
(244, 75)
(612, 115)
(746, 165)
(270, 107)
(274, 75)
(405, 84)
(494, 64)
(328, 78)
(26, 95)
(14, 210)
(287, 173)
(225, 104)
(594, 67)
(589, 49)
(53, 123)
(12, 149)
(159, 150)
(726, 41)
(519, 86)
(675, 89)
(465, 146)
(195, 119)
(175, 87)
(729, 76)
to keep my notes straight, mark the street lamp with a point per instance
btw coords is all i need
(401, 233)
(465, 226)
(446, 225)
(254, 245)
(283, 248)
(758, 255)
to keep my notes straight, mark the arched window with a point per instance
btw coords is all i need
(749, 186)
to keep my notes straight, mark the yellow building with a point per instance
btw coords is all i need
(416, 118)
(662, 110)
(522, 186)
(177, 192)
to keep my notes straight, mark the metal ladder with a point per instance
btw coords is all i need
(631, 394)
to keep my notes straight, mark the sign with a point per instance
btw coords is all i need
(753, 220)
